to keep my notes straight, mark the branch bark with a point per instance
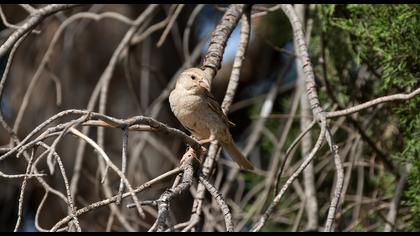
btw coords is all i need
(311, 202)
(213, 59)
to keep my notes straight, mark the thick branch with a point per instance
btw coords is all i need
(168, 195)
(213, 59)
(303, 56)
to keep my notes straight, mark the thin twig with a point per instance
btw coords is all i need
(66, 184)
(108, 201)
(110, 164)
(393, 208)
(123, 163)
(357, 108)
(289, 150)
(170, 24)
(31, 23)
(187, 31)
(329, 224)
(257, 227)
(3, 82)
(22, 191)
(104, 80)
(165, 199)
(219, 199)
(30, 9)
(45, 59)
(5, 22)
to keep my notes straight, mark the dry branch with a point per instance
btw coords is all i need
(34, 19)
(229, 193)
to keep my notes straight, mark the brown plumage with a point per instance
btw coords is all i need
(196, 109)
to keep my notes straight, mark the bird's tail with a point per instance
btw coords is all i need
(237, 156)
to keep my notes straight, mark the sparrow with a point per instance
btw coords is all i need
(197, 110)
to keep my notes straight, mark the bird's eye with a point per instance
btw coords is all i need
(192, 77)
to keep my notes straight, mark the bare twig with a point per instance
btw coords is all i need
(123, 163)
(267, 213)
(393, 208)
(22, 190)
(220, 41)
(311, 203)
(104, 80)
(166, 197)
(187, 31)
(234, 197)
(30, 9)
(110, 164)
(266, 11)
(3, 81)
(138, 38)
(357, 108)
(114, 198)
(35, 18)
(329, 224)
(266, 109)
(92, 101)
(288, 152)
(48, 53)
(238, 61)
(170, 24)
(66, 184)
(303, 56)
(5, 22)
(219, 199)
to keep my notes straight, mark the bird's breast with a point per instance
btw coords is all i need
(188, 109)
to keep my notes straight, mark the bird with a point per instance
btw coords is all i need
(197, 110)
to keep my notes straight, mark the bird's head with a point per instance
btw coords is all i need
(193, 80)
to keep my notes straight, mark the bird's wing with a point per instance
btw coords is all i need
(214, 106)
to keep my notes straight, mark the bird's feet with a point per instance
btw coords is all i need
(207, 140)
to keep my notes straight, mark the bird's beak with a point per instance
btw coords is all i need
(205, 84)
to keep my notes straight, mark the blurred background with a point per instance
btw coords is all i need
(359, 52)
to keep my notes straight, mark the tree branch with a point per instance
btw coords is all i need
(213, 59)
(34, 19)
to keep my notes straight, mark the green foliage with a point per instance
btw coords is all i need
(413, 194)
(386, 39)
(359, 228)
(386, 36)
(369, 51)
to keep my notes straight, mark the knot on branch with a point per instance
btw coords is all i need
(190, 158)
(319, 114)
